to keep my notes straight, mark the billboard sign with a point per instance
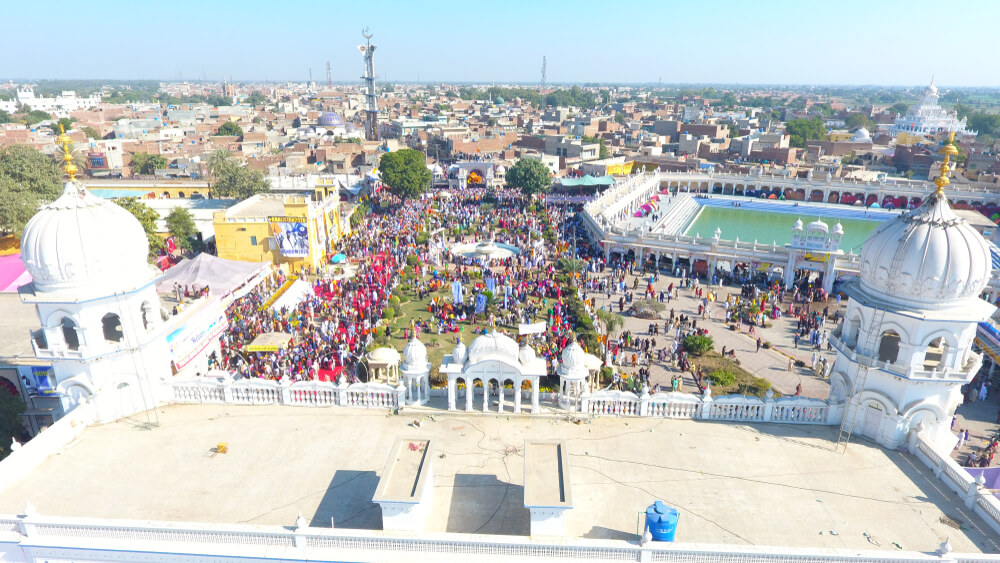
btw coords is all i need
(291, 236)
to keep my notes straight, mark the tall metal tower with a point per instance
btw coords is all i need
(544, 64)
(329, 77)
(371, 100)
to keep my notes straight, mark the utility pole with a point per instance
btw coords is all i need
(329, 77)
(371, 99)
(544, 64)
(310, 75)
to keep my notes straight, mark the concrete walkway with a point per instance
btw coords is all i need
(771, 364)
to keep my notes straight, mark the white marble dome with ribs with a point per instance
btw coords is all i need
(527, 354)
(414, 354)
(494, 346)
(84, 243)
(941, 258)
(574, 362)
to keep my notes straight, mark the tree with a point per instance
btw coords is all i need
(11, 409)
(900, 108)
(802, 130)
(405, 172)
(612, 321)
(256, 98)
(91, 133)
(230, 129)
(145, 163)
(28, 179)
(240, 182)
(6, 117)
(697, 344)
(65, 122)
(530, 176)
(35, 116)
(180, 223)
(219, 159)
(147, 217)
(858, 120)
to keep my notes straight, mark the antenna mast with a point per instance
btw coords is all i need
(371, 99)
(329, 77)
(544, 64)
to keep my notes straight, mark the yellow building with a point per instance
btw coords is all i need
(293, 230)
(840, 135)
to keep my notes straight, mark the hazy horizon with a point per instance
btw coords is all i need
(722, 43)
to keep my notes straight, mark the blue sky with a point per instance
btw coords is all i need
(695, 41)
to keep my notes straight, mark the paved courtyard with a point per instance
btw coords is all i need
(735, 484)
(771, 364)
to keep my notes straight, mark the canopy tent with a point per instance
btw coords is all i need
(292, 296)
(12, 273)
(269, 342)
(587, 180)
(219, 274)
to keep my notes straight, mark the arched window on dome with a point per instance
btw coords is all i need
(70, 335)
(935, 354)
(112, 328)
(888, 347)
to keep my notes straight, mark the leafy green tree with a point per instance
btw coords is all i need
(405, 172)
(65, 122)
(256, 98)
(802, 130)
(859, 120)
(147, 217)
(612, 321)
(11, 409)
(6, 117)
(230, 129)
(698, 344)
(530, 176)
(28, 179)
(240, 182)
(180, 223)
(900, 108)
(145, 163)
(35, 116)
(91, 133)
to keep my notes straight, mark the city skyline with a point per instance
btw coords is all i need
(455, 42)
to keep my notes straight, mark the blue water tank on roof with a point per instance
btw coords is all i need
(661, 521)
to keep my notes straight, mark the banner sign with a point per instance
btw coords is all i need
(45, 380)
(291, 236)
(480, 303)
(491, 284)
(534, 328)
(456, 292)
(198, 331)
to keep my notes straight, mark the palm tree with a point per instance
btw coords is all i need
(611, 321)
(79, 159)
(219, 159)
(572, 266)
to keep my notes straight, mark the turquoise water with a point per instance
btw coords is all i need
(748, 224)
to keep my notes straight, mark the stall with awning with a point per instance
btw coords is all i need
(269, 342)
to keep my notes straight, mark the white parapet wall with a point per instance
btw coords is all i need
(405, 491)
(37, 539)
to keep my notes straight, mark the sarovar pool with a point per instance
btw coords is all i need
(773, 221)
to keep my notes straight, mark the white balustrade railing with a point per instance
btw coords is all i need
(981, 500)
(300, 394)
(612, 403)
(93, 538)
(738, 408)
(672, 405)
(801, 410)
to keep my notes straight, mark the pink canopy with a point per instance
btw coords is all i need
(12, 273)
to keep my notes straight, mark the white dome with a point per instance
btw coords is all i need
(574, 362)
(942, 258)
(414, 355)
(493, 346)
(862, 136)
(83, 242)
(818, 225)
(798, 225)
(527, 354)
(384, 355)
(459, 354)
(838, 229)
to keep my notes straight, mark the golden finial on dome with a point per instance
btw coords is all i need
(948, 150)
(63, 139)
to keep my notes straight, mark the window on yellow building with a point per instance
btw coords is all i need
(253, 241)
